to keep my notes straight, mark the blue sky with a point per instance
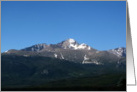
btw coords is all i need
(102, 25)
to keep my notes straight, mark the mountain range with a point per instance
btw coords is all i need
(71, 50)
(66, 66)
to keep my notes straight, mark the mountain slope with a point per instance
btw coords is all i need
(26, 72)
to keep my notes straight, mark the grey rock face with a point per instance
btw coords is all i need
(36, 47)
(120, 52)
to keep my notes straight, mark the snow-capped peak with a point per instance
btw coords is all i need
(71, 40)
(67, 44)
(72, 44)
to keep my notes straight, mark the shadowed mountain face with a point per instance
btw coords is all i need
(67, 65)
(44, 73)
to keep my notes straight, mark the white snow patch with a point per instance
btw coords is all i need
(73, 46)
(55, 55)
(85, 59)
(71, 40)
(88, 61)
(61, 56)
(82, 46)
